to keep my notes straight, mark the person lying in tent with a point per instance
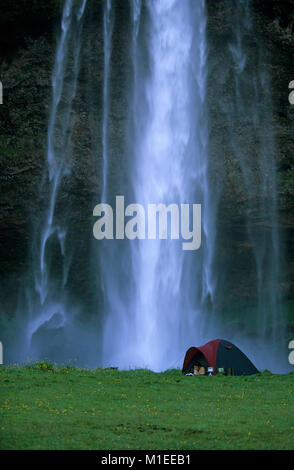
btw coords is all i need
(198, 365)
(199, 369)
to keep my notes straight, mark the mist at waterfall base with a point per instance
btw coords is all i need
(150, 300)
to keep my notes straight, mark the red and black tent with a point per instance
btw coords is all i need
(219, 353)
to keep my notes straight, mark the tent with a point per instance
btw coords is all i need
(219, 353)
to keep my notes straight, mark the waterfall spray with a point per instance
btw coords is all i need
(170, 152)
(252, 109)
(150, 299)
(108, 29)
(49, 306)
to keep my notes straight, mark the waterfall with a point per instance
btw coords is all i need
(146, 125)
(107, 29)
(136, 9)
(47, 304)
(250, 120)
(172, 290)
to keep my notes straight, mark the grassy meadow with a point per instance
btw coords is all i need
(47, 407)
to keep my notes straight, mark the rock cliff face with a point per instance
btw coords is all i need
(27, 45)
(272, 41)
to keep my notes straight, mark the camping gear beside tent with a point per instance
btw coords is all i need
(219, 353)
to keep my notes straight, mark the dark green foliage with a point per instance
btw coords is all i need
(22, 18)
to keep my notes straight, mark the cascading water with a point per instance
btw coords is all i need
(170, 152)
(48, 304)
(250, 118)
(108, 29)
(155, 299)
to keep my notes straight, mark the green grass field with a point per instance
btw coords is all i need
(43, 407)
